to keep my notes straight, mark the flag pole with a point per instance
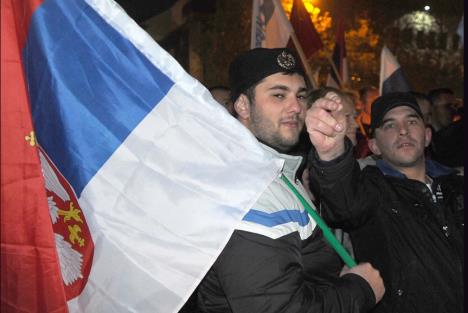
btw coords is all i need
(335, 70)
(304, 60)
(327, 233)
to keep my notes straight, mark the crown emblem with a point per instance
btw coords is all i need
(286, 60)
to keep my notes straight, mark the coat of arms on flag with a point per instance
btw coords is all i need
(72, 236)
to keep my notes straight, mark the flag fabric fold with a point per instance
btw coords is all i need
(392, 78)
(146, 176)
(304, 29)
(338, 75)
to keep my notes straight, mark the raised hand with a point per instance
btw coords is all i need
(326, 125)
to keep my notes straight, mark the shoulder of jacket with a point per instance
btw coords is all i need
(277, 213)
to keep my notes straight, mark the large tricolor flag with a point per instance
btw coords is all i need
(392, 78)
(144, 177)
(338, 75)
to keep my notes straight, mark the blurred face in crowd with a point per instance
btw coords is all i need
(350, 113)
(223, 96)
(401, 138)
(276, 113)
(426, 110)
(442, 111)
(370, 96)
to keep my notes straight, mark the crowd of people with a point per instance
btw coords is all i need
(384, 171)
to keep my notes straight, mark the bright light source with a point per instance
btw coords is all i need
(427, 8)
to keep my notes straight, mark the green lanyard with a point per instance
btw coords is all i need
(349, 261)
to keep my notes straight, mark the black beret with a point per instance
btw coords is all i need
(251, 66)
(388, 101)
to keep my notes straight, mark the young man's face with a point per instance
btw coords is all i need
(278, 111)
(401, 138)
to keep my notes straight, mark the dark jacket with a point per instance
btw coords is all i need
(277, 260)
(415, 240)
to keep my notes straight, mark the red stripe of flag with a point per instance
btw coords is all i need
(30, 274)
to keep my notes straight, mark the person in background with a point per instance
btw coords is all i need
(222, 95)
(405, 215)
(367, 97)
(277, 260)
(443, 102)
(448, 138)
(425, 106)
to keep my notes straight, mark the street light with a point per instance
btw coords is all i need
(427, 8)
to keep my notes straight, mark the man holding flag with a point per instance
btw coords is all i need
(106, 206)
(277, 259)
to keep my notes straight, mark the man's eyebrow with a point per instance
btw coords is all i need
(385, 120)
(410, 115)
(281, 87)
(286, 88)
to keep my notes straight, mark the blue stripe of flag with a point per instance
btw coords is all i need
(277, 218)
(89, 87)
(396, 82)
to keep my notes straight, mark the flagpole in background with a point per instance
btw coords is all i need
(305, 63)
(339, 76)
(335, 70)
(305, 37)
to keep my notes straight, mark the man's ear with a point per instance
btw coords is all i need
(242, 107)
(428, 136)
(373, 146)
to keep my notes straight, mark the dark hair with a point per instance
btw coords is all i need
(321, 92)
(435, 94)
(420, 96)
(219, 87)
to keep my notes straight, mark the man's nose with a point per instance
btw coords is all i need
(296, 105)
(403, 128)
